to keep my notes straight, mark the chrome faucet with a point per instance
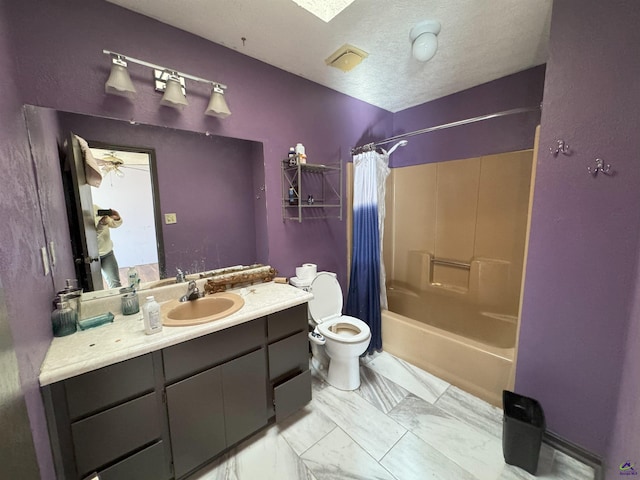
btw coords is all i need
(193, 293)
(180, 276)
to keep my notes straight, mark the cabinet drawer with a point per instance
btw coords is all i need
(284, 323)
(292, 395)
(188, 358)
(108, 386)
(148, 464)
(105, 437)
(290, 355)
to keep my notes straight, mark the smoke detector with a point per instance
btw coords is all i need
(346, 57)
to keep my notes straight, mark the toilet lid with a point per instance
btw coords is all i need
(327, 297)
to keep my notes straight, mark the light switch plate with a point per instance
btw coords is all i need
(52, 254)
(170, 218)
(45, 260)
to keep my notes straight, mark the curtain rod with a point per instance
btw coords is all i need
(371, 146)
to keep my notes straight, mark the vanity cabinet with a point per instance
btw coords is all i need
(289, 374)
(163, 415)
(82, 412)
(215, 408)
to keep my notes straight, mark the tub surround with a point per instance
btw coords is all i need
(124, 339)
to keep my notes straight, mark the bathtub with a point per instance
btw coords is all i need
(459, 342)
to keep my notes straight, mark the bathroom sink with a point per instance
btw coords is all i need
(203, 310)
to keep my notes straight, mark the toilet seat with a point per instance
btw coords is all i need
(344, 329)
(326, 310)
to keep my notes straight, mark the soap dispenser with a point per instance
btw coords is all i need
(64, 320)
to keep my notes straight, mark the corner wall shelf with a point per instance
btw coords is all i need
(311, 188)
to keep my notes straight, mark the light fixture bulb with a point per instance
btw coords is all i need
(424, 47)
(217, 104)
(424, 40)
(173, 95)
(119, 82)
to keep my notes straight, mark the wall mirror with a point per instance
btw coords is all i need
(212, 185)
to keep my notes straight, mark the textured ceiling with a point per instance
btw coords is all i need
(480, 41)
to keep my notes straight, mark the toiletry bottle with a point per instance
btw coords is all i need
(63, 320)
(292, 157)
(292, 196)
(134, 280)
(300, 153)
(151, 314)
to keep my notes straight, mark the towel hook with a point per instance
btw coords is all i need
(561, 147)
(600, 167)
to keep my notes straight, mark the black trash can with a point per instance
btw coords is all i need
(522, 427)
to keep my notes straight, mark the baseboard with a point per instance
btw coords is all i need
(575, 451)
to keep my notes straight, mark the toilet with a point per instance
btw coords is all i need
(337, 339)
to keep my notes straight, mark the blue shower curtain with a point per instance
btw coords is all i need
(366, 286)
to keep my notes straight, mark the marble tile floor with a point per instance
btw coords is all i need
(401, 424)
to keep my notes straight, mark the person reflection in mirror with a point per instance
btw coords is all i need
(108, 262)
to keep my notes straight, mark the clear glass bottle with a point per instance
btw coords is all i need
(151, 314)
(64, 320)
(134, 279)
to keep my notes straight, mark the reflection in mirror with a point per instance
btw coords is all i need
(127, 190)
(213, 185)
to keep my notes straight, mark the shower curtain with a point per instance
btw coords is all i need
(366, 293)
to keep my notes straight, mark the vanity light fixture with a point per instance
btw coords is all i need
(217, 105)
(174, 91)
(167, 80)
(119, 82)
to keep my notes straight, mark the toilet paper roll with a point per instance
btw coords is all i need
(307, 271)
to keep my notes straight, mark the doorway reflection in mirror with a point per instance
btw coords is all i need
(126, 185)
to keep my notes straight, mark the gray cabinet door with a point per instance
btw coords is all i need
(196, 420)
(245, 397)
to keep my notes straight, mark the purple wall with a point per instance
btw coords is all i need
(581, 268)
(268, 105)
(206, 180)
(27, 291)
(581, 273)
(625, 439)
(59, 46)
(505, 134)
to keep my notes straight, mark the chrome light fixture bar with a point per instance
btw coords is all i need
(167, 80)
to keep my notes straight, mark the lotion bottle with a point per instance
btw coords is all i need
(151, 314)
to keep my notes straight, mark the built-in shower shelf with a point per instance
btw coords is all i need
(311, 191)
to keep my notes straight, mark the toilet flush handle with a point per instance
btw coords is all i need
(317, 338)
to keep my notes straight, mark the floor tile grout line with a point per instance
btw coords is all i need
(358, 391)
(389, 418)
(412, 373)
(312, 445)
(368, 454)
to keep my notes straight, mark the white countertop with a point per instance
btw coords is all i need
(123, 339)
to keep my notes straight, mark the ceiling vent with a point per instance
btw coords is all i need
(346, 57)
